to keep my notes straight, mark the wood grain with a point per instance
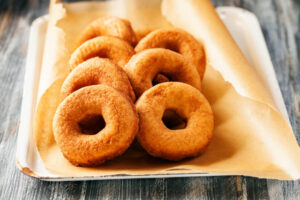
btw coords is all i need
(279, 20)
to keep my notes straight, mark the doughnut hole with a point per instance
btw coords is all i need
(85, 83)
(91, 124)
(160, 78)
(173, 120)
(172, 46)
(100, 54)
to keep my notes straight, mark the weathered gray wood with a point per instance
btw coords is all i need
(279, 20)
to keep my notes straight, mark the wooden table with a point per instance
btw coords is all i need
(279, 20)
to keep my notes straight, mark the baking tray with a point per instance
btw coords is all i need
(243, 26)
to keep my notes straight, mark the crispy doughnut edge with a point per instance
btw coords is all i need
(174, 145)
(74, 152)
(107, 26)
(97, 71)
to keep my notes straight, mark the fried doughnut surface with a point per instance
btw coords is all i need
(141, 33)
(176, 40)
(108, 26)
(112, 48)
(144, 66)
(190, 104)
(121, 125)
(97, 71)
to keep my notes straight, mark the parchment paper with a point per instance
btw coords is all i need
(251, 136)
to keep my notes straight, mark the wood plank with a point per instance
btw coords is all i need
(278, 24)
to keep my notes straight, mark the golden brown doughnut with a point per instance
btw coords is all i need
(159, 78)
(97, 71)
(141, 33)
(176, 40)
(84, 105)
(109, 26)
(144, 66)
(188, 103)
(113, 48)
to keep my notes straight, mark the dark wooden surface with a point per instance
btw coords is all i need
(279, 20)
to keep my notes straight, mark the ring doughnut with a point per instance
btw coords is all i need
(97, 71)
(120, 119)
(177, 40)
(187, 102)
(113, 48)
(109, 26)
(144, 66)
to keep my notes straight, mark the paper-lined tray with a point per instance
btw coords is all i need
(243, 26)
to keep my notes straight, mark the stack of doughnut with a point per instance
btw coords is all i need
(124, 85)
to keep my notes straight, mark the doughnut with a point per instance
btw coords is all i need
(85, 107)
(108, 26)
(186, 101)
(97, 71)
(141, 33)
(159, 78)
(144, 66)
(176, 40)
(113, 48)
